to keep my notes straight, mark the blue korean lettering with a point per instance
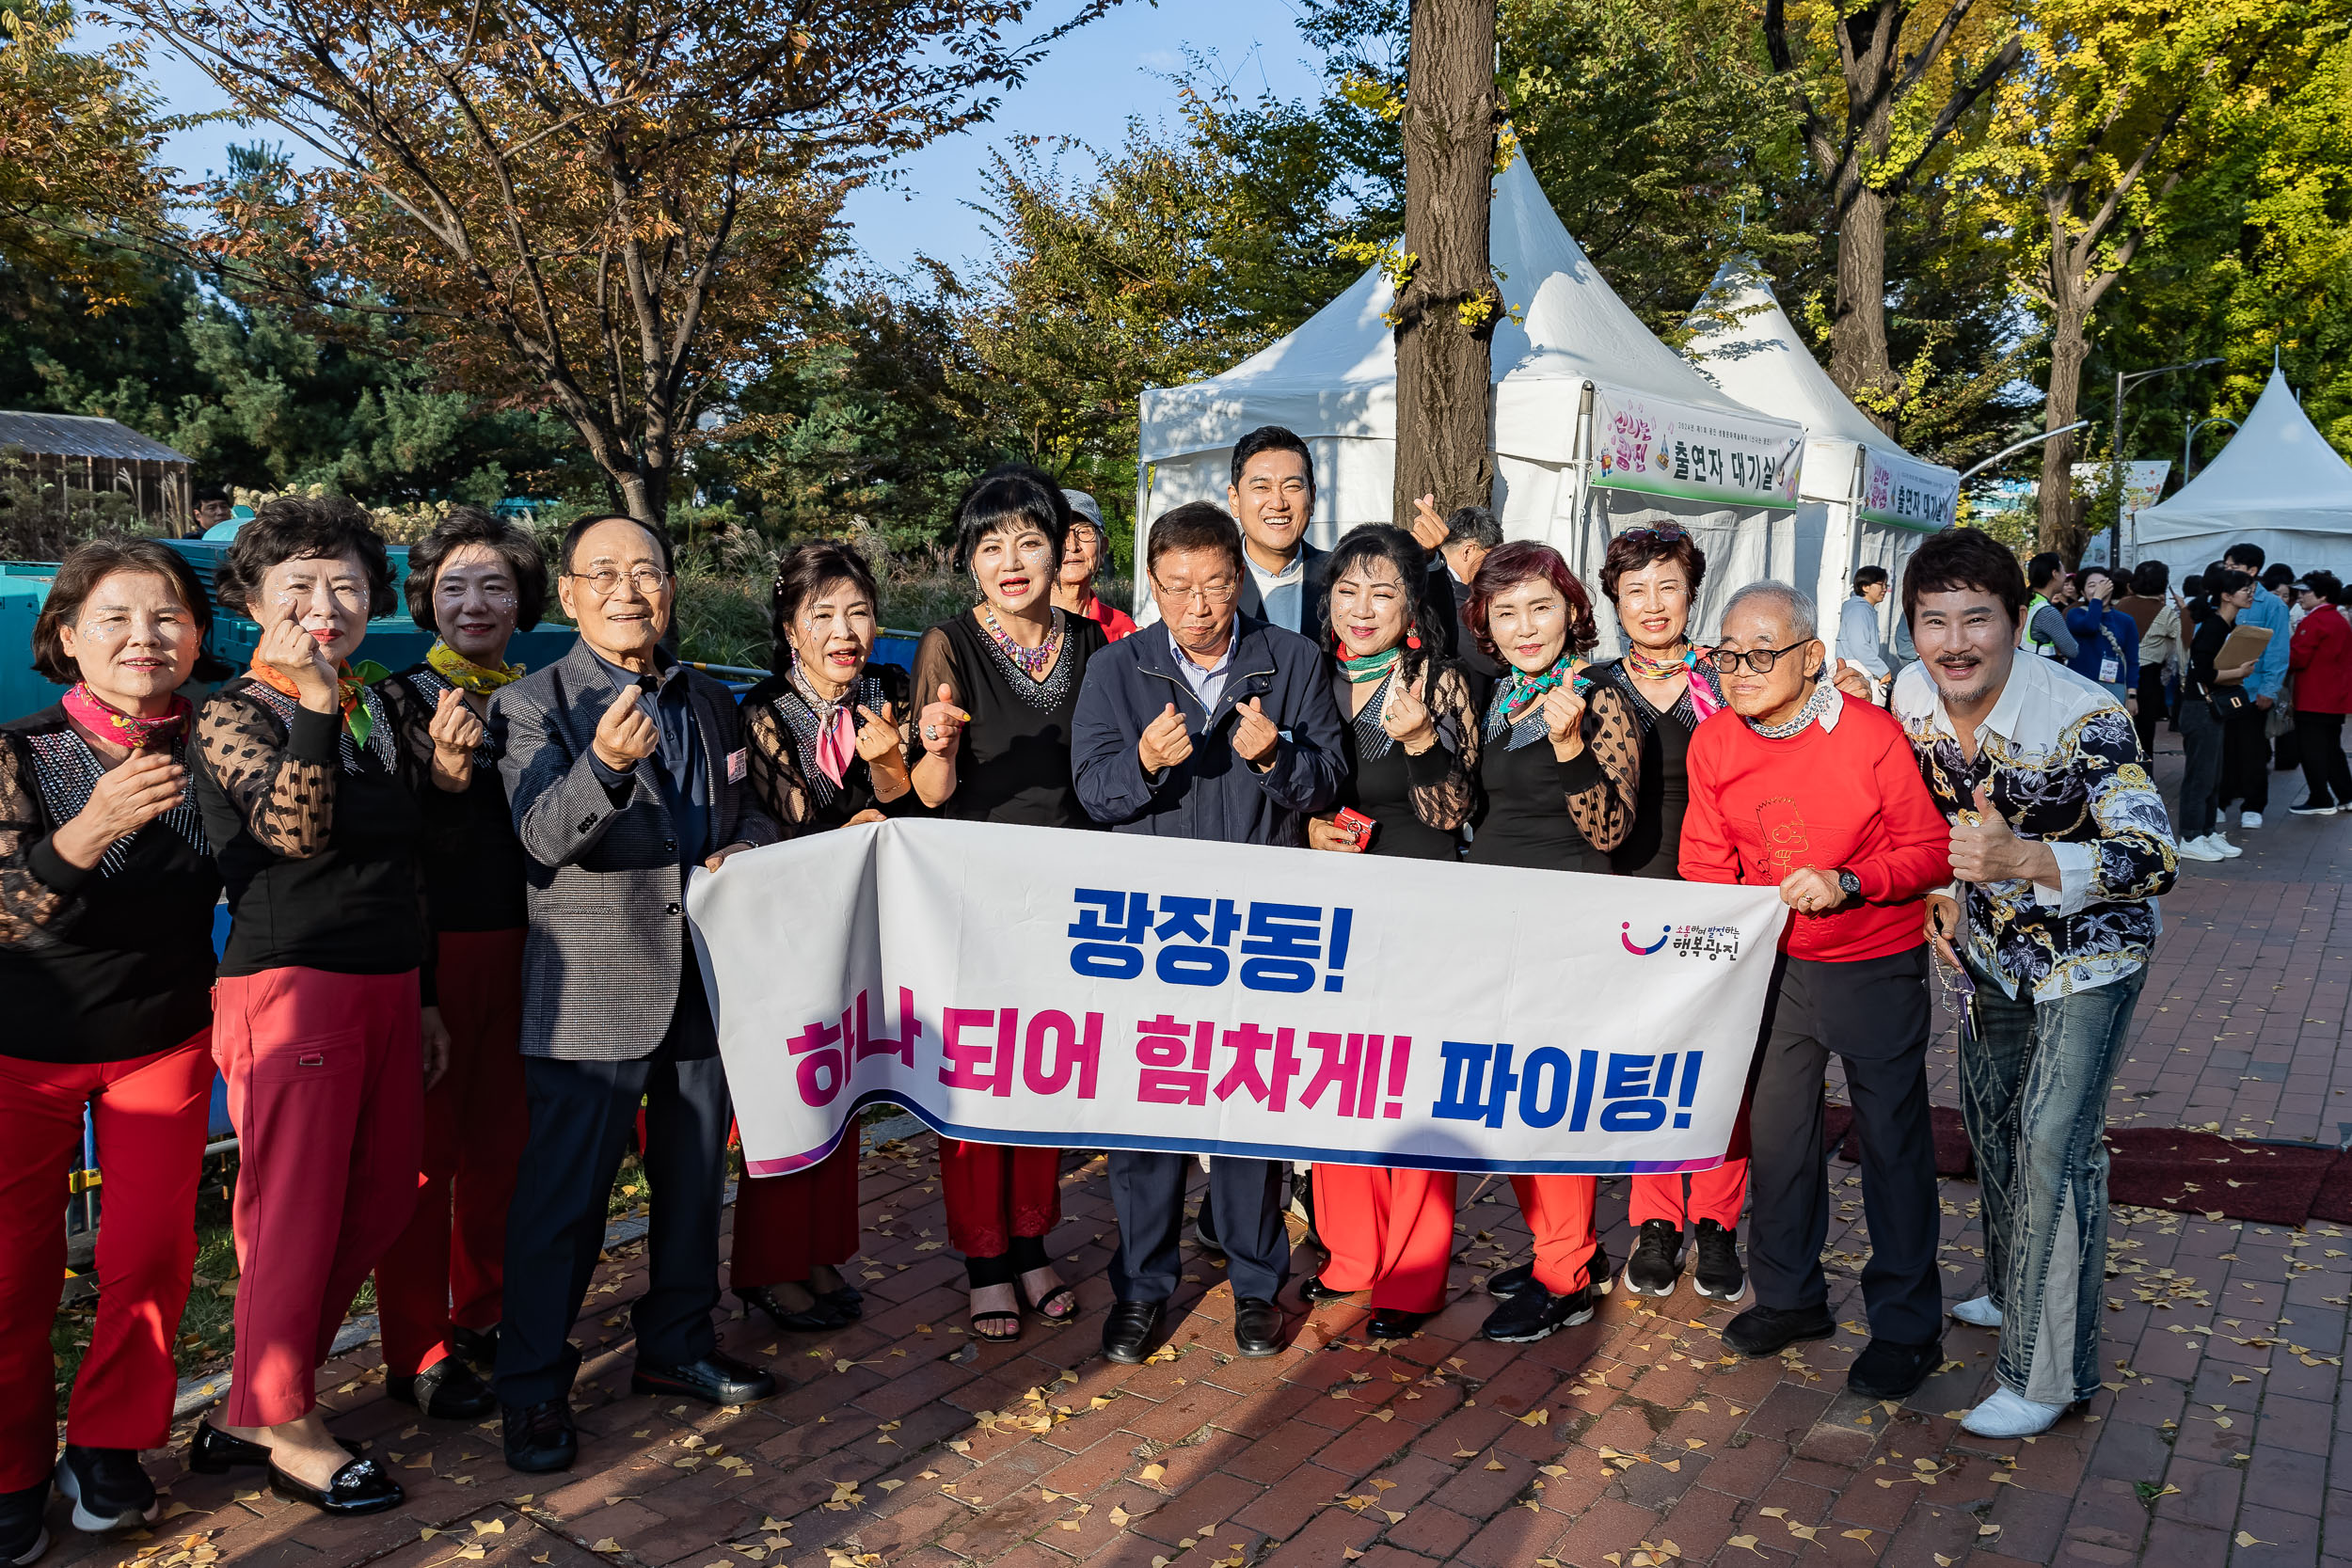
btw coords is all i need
(1631, 1090)
(1202, 962)
(1469, 1092)
(1284, 941)
(1546, 1080)
(1109, 929)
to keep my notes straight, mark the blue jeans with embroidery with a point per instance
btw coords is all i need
(2033, 1094)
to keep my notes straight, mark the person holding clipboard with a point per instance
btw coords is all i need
(2220, 655)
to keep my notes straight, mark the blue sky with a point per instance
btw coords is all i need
(1085, 87)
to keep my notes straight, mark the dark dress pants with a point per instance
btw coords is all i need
(1148, 1190)
(581, 1115)
(1874, 1014)
(2150, 709)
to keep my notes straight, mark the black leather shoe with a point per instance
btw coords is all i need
(1257, 1326)
(845, 1300)
(716, 1378)
(540, 1437)
(1511, 1281)
(1886, 1370)
(478, 1346)
(1390, 1324)
(109, 1488)
(822, 1318)
(447, 1390)
(1127, 1332)
(1314, 1289)
(212, 1451)
(1770, 1330)
(24, 1535)
(357, 1488)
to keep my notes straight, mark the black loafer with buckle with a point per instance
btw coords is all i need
(823, 1317)
(359, 1487)
(716, 1378)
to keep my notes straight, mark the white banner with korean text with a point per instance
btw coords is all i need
(1035, 986)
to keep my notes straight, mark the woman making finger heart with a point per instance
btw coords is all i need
(1560, 771)
(827, 735)
(1003, 681)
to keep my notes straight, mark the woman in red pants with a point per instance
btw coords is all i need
(106, 893)
(473, 581)
(826, 739)
(1652, 576)
(999, 684)
(323, 1019)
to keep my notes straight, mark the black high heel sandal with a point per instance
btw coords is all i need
(998, 1336)
(1065, 1296)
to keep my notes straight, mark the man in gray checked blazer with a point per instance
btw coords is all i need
(625, 770)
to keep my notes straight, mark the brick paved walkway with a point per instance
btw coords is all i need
(1632, 1441)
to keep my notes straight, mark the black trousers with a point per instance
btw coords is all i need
(2246, 760)
(2326, 777)
(581, 1115)
(1148, 1190)
(1874, 1014)
(2150, 710)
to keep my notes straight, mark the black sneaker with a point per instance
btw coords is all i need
(22, 1535)
(1535, 1313)
(1886, 1370)
(1509, 1282)
(1717, 1274)
(1656, 1265)
(109, 1488)
(1770, 1330)
(2315, 809)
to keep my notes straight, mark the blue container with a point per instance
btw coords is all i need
(23, 586)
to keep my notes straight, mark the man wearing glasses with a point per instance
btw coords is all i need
(1209, 725)
(625, 770)
(1808, 789)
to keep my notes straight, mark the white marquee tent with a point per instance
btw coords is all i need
(2277, 484)
(1598, 427)
(1863, 500)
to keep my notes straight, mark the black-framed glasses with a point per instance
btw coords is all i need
(1728, 662)
(605, 581)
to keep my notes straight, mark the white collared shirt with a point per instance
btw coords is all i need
(1207, 684)
(1284, 592)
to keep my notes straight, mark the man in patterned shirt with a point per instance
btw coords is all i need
(2059, 846)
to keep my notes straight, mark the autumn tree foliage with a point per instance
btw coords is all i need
(602, 209)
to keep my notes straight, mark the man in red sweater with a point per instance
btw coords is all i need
(1797, 787)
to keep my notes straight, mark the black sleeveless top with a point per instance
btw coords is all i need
(1653, 848)
(1014, 764)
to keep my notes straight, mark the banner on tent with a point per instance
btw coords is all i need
(1667, 449)
(1035, 986)
(1908, 495)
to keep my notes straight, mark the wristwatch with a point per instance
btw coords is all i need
(1848, 884)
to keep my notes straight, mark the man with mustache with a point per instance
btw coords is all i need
(2059, 842)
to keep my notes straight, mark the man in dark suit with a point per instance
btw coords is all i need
(1272, 496)
(625, 770)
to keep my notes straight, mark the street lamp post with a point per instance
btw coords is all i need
(2188, 441)
(2124, 383)
(2015, 447)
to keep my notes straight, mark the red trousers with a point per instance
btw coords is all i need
(784, 1226)
(1559, 1209)
(446, 1268)
(996, 1192)
(1717, 1194)
(1388, 1229)
(150, 1115)
(325, 1089)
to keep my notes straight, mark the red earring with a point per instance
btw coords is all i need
(1412, 641)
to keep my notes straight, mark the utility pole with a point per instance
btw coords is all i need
(2123, 384)
(1447, 304)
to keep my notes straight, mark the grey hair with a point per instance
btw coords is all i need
(1795, 604)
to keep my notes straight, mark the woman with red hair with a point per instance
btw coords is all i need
(1560, 772)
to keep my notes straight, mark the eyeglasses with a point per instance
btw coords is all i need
(1219, 591)
(1758, 659)
(604, 580)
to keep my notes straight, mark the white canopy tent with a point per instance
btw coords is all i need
(1598, 427)
(2277, 484)
(1863, 500)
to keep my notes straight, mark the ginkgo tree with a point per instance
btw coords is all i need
(2116, 104)
(608, 209)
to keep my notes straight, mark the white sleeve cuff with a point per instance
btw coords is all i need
(2076, 864)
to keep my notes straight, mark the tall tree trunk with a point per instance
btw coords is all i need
(1857, 333)
(1447, 309)
(2069, 347)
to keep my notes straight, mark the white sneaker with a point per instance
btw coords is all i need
(2188, 850)
(2222, 846)
(2249, 819)
(1979, 1312)
(2008, 1415)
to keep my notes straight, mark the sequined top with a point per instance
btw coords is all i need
(1015, 763)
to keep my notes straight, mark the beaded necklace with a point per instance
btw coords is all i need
(1033, 662)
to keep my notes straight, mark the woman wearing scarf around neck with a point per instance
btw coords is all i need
(473, 581)
(1410, 752)
(106, 893)
(828, 737)
(1000, 690)
(324, 1016)
(1560, 769)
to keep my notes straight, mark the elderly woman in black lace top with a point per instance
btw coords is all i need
(325, 1019)
(999, 686)
(106, 893)
(828, 738)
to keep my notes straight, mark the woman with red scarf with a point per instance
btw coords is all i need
(106, 893)
(324, 1021)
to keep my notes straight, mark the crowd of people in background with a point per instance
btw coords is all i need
(458, 982)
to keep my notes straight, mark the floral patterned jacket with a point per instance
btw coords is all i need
(2063, 763)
